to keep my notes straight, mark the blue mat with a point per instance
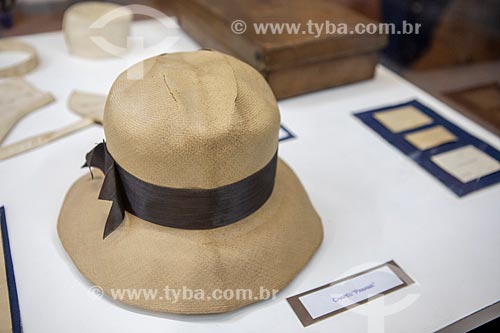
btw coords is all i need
(423, 157)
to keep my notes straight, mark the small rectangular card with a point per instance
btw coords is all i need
(430, 138)
(467, 163)
(463, 172)
(402, 119)
(336, 297)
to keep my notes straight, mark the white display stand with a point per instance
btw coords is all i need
(375, 203)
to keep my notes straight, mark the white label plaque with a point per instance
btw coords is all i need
(342, 295)
(350, 291)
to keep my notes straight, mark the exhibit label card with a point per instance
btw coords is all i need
(335, 297)
(403, 118)
(430, 137)
(466, 163)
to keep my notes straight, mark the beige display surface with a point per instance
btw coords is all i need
(402, 118)
(430, 138)
(466, 163)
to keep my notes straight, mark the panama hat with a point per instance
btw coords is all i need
(192, 196)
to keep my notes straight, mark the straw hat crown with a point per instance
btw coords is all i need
(195, 120)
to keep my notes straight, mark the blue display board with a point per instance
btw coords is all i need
(423, 157)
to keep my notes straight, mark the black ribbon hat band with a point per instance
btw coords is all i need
(175, 207)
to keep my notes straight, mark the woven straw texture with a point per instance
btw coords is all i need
(196, 120)
(77, 22)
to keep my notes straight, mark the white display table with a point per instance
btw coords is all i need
(376, 205)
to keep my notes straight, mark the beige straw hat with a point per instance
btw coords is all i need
(94, 29)
(197, 121)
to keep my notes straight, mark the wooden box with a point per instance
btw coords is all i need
(293, 62)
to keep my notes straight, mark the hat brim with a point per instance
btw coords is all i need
(262, 252)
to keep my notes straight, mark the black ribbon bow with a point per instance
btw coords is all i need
(184, 208)
(111, 190)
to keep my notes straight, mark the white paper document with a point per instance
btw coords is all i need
(466, 163)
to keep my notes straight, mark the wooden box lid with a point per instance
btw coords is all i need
(270, 51)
